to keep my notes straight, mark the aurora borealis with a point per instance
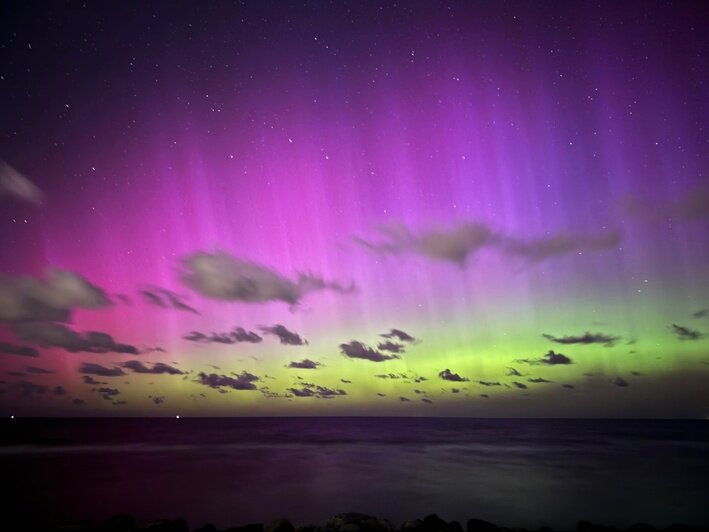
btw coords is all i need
(358, 208)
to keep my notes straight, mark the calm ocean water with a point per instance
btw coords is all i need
(236, 471)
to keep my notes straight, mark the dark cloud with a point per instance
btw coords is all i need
(701, 313)
(90, 380)
(693, 206)
(21, 350)
(164, 298)
(454, 245)
(108, 393)
(306, 363)
(685, 333)
(404, 399)
(227, 278)
(78, 401)
(484, 396)
(159, 368)
(512, 372)
(561, 244)
(47, 334)
(224, 338)
(153, 298)
(392, 347)
(448, 375)
(30, 299)
(285, 336)
(176, 302)
(242, 381)
(242, 335)
(636, 374)
(119, 403)
(237, 335)
(345, 381)
(38, 371)
(539, 380)
(157, 399)
(586, 338)
(313, 390)
(89, 368)
(569, 386)
(124, 299)
(302, 392)
(322, 391)
(28, 389)
(619, 381)
(274, 395)
(196, 336)
(154, 349)
(392, 376)
(455, 390)
(426, 400)
(695, 203)
(489, 383)
(550, 359)
(520, 385)
(355, 349)
(399, 335)
(14, 184)
(458, 243)
(380, 394)
(59, 390)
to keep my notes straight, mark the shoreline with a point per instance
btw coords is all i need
(348, 522)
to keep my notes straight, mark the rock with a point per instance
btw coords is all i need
(82, 526)
(309, 528)
(118, 523)
(478, 525)
(279, 525)
(165, 525)
(412, 525)
(678, 527)
(585, 526)
(433, 523)
(209, 527)
(356, 522)
(375, 525)
(257, 527)
(453, 526)
(641, 527)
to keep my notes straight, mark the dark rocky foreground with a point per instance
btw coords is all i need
(350, 522)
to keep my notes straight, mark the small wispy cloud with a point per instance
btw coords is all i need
(448, 375)
(585, 338)
(550, 359)
(685, 333)
(355, 349)
(14, 184)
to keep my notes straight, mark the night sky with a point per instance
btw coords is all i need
(369, 208)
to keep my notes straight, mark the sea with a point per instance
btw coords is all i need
(235, 471)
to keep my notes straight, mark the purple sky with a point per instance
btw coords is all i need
(474, 174)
